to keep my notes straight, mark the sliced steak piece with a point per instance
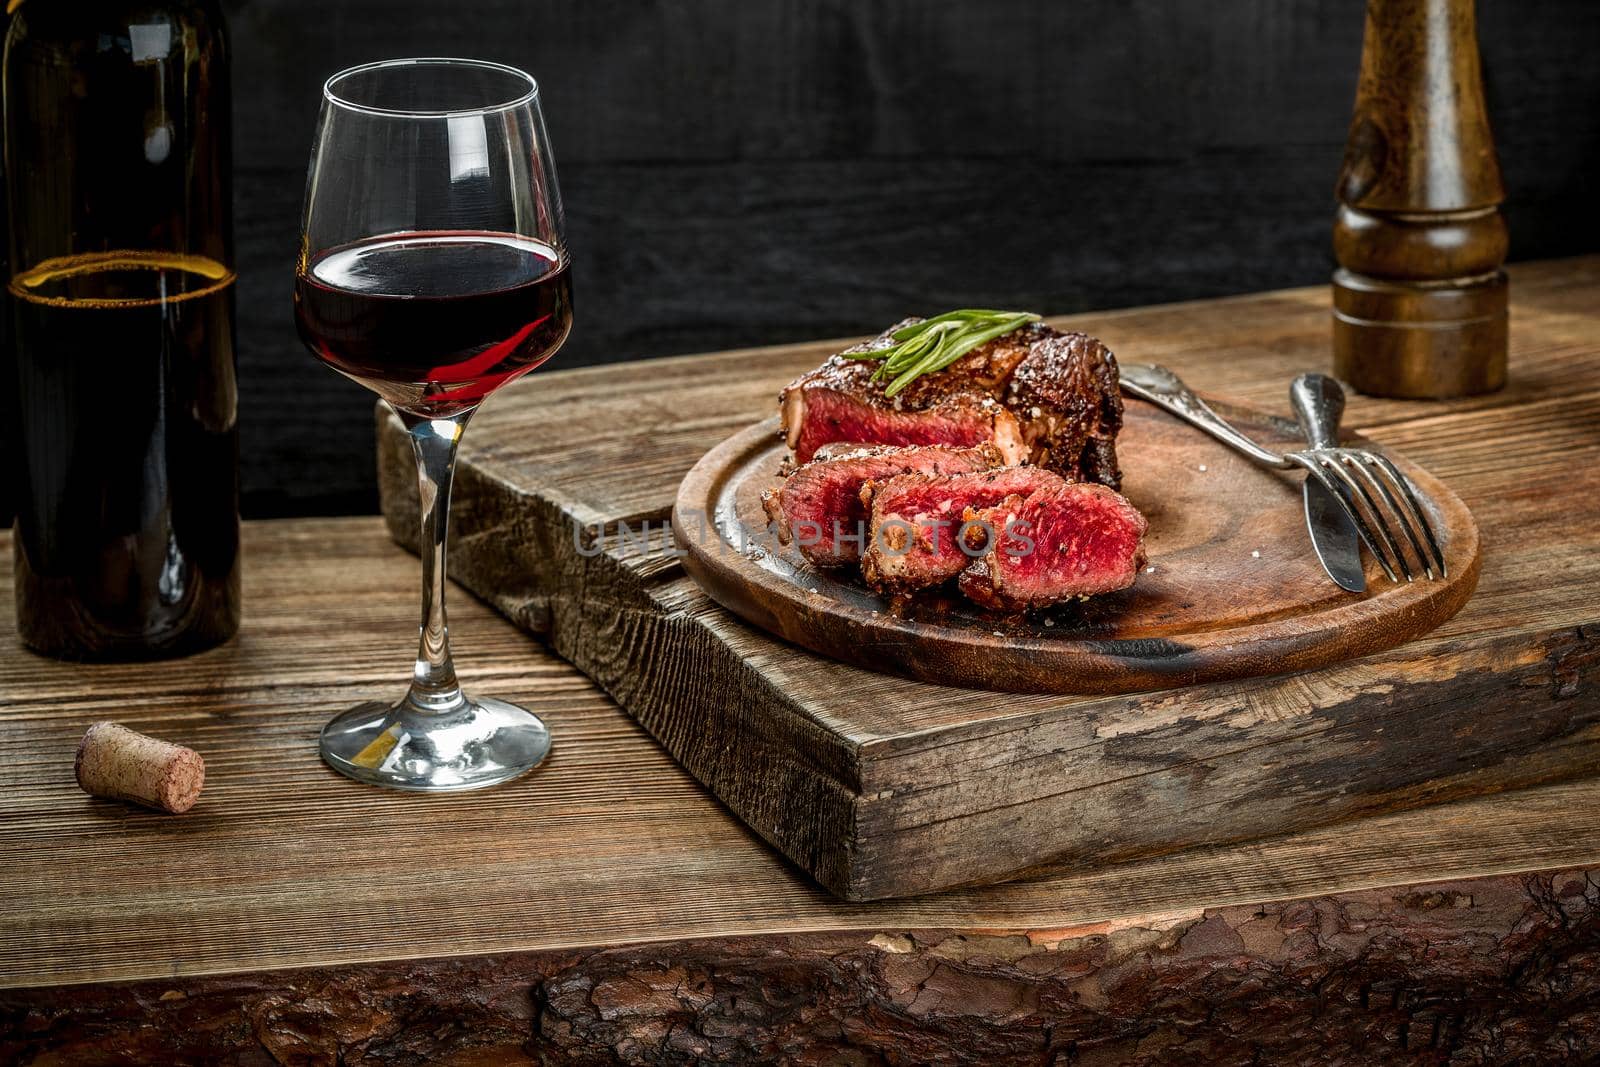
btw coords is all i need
(1067, 396)
(919, 537)
(819, 507)
(1054, 544)
(959, 406)
(1034, 393)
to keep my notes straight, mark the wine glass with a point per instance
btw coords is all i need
(433, 271)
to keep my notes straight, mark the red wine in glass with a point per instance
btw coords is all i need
(433, 322)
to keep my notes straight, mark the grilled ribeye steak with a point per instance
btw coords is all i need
(820, 509)
(1034, 393)
(920, 537)
(1054, 544)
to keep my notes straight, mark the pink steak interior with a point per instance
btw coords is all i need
(832, 416)
(821, 502)
(935, 509)
(1082, 540)
(833, 512)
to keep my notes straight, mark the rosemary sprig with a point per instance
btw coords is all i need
(931, 345)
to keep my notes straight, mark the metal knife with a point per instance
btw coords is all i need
(1318, 404)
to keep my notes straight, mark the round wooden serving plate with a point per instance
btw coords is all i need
(1236, 589)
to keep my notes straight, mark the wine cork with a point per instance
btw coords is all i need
(114, 761)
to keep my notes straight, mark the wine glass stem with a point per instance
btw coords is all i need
(433, 683)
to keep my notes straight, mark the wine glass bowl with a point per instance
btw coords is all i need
(434, 322)
(433, 270)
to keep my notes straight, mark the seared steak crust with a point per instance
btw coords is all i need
(820, 507)
(1034, 393)
(982, 370)
(1068, 393)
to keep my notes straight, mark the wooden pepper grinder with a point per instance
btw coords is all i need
(1419, 300)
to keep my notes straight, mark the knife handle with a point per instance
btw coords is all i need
(1318, 403)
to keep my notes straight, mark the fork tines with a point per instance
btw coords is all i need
(1387, 500)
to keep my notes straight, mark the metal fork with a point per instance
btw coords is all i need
(1390, 514)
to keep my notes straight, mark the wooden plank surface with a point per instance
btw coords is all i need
(881, 787)
(284, 864)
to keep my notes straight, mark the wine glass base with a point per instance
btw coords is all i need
(482, 743)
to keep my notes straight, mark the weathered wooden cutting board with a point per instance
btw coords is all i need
(1233, 587)
(880, 786)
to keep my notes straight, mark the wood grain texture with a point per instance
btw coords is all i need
(1488, 970)
(880, 787)
(1232, 588)
(283, 864)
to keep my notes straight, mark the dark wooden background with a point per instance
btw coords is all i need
(739, 172)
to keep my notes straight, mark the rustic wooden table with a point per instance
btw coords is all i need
(605, 909)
